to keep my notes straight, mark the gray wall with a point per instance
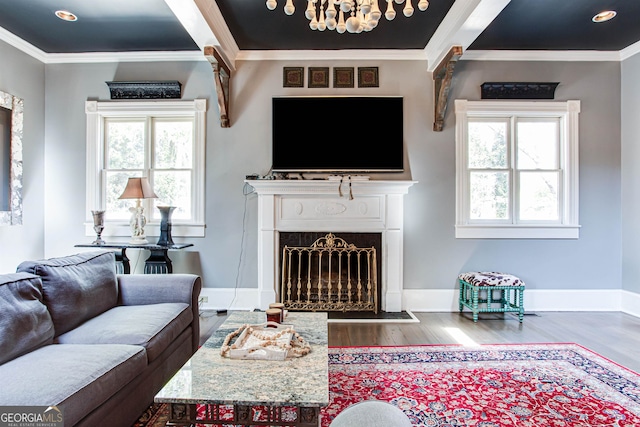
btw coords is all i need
(23, 76)
(631, 174)
(433, 257)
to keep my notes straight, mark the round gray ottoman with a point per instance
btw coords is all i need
(371, 413)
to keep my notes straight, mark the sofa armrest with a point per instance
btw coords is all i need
(141, 289)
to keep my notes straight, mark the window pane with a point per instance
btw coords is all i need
(487, 145)
(537, 144)
(173, 145)
(125, 144)
(116, 182)
(489, 195)
(539, 199)
(173, 189)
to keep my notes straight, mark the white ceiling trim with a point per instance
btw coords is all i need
(541, 55)
(629, 51)
(464, 22)
(22, 45)
(334, 55)
(97, 57)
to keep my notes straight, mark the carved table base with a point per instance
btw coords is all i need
(184, 415)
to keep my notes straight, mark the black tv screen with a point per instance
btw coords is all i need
(337, 134)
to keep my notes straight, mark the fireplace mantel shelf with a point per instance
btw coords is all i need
(372, 206)
(325, 186)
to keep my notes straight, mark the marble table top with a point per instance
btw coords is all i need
(210, 378)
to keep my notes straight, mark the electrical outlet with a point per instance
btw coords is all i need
(203, 299)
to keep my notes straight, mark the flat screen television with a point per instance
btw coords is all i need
(337, 134)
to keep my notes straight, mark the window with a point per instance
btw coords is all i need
(517, 169)
(162, 140)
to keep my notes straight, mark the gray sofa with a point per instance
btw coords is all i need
(75, 335)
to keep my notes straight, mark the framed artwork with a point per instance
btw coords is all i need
(368, 77)
(342, 77)
(293, 77)
(318, 77)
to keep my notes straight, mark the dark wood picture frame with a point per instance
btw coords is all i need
(343, 77)
(318, 77)
(293, 77)
(368, 77)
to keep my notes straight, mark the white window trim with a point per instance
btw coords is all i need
(567, 111)
(96, 112)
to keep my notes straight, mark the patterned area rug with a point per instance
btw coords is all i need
(487, 386)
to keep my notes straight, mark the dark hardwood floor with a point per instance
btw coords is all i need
(613, 335)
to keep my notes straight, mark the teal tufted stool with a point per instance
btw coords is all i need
(491, 292)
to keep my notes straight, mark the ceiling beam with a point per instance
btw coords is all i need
(461, 26)
(222, 75)
(442, 78)
(204, 22)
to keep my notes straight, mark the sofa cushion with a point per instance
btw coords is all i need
(25, 323)
(76, 287)
(79, 378)
(154, 326)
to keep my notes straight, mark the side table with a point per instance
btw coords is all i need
(157, 263)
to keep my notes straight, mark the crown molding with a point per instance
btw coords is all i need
(22, 45)
(347, 54)
(541, 55)
(97, 57)
(629, 51)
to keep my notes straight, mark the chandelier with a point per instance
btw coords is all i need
(363, 15)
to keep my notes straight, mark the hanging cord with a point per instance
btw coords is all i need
(350, 191)
(340, 187)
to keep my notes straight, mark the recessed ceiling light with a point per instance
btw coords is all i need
(604, 16)
(65, 15)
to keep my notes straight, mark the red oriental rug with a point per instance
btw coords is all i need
(487, 386)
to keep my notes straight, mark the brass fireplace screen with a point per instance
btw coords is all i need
(329, 275)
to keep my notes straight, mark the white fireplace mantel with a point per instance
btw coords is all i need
(326, 205)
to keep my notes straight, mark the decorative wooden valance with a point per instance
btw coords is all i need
(518, 90)
(222, 75)
(442, 77)
(170, 89)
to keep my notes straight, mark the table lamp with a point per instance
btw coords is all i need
(138, 188)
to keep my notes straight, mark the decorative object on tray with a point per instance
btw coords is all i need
(98, 226)
(165, 238)
(169, 89)
(267, 341)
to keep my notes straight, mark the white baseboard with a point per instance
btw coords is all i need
(446, 300)
(630, 303)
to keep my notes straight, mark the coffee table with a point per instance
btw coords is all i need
(253, 392)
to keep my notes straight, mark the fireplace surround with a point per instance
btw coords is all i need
(358, 206)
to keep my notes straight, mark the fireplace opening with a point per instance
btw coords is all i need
(328, 272)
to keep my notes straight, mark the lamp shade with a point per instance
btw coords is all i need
(138, 188)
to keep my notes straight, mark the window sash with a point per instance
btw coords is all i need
(99, 115)
(559, 166)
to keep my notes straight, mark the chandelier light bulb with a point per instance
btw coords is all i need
(408, 9)
(346, 6)
(331, 24)
(271, 4)
(321, 24)
(353, 24)
(390, 13)
(341, 27)
(399, 1)
(289, 8)
(313, 24)
(310, 13)
(331, 11)
(375, 12)
(423, 5)
(365, 7)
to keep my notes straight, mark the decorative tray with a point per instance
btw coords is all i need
(267, 341)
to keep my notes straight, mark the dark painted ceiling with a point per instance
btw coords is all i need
(150, 25)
